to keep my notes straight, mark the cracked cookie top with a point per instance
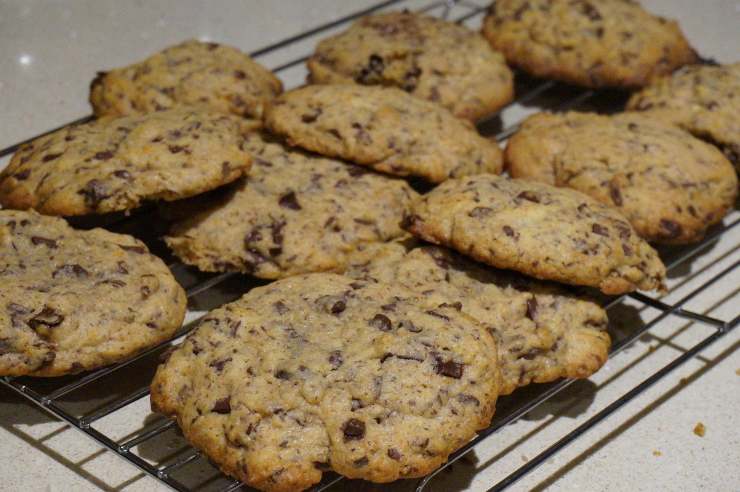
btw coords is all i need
(74, 300)
(383, 128)
(430, 58)
(114, 164)
(668, 184)
(595, 43)
(546, 232)
(324, 372)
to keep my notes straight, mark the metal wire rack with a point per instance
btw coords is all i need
(62, 397)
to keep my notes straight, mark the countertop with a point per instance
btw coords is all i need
(49, 52)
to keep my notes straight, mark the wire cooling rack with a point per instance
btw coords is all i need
(87, 400)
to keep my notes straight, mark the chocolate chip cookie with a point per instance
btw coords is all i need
(546, 232)
(597, 43)
(543, 331)
(428, 57)
(383, 128)
(72, 300)
(214, 76)
(669, 185)
(295, 213)
(114, 164)
(702, 99)
(324, 372)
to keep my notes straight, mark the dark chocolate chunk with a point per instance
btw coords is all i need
(222, 406)
(94, 192)
(290, 201)
(104, 156)
(50, 157)
(671, 229)
(394, 454)
(448, 368)
(48, 318)
(381, 322)
(600, 230)
(532, 308)
(50, 243)
(353, 429)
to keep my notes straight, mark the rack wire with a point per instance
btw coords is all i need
(59, 397)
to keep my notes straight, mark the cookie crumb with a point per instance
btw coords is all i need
(657, 453)
(524, 459)
(699, 429)
(737, 371)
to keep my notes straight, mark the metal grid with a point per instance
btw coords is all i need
(53, 395)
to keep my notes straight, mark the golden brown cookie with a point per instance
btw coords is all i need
(669, 185)
(542, 330)
(72, 301)
(295, 213)
(595, 43)
(546, 232)
(115, 164)
(383, 128)
(703, 99)
(323, 372)
(214, 76)
(430, 58)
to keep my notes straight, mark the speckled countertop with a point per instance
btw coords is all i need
(49, 52)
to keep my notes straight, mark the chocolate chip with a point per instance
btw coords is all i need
(394, 454)
(94, 192)
(50, 243)
(468, 399)
(360, 462)
(338, 307)
(70, 270)
(480, 212)
(50, 157)
(409, 325)
(290, 201)
(600, 230)
(239, 74)
(615, 194)
(457, 305)
(672, 229)
(48, 318)
(103, 156)
(23, 175)
(134, 249)
(123, 174)
(529, 196)
(371, 73)
(448, 368)
(280, 307)
(219, 365)
(437, 314)
(336, 359)
(175, 149)
(381, 322)
(222, 406)
(282, 374)
(353, 430)
(509, 231)
(532, 308)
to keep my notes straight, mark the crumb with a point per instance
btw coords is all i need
(700, 430)
(684, 381)
(657, 453)
(525, 459)
(737, 371)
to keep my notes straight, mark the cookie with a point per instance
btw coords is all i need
(72, 301)
(214, 76)
(598, 43)
(115, 164)
(430, 58)
(295, 213)
(383, 128)
(669, 185)
(543, 332)
(323, 372)
(542, 231)
(702, 99)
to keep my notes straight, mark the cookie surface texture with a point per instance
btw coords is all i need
(703, 99)
(430, 58)
(322, 372)
(115, 164)
(213, 76)
(383, 128)
(542, 231)
(542, 330)
(77, 300)
(294, 213)
(594, 43)
(669, 185)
